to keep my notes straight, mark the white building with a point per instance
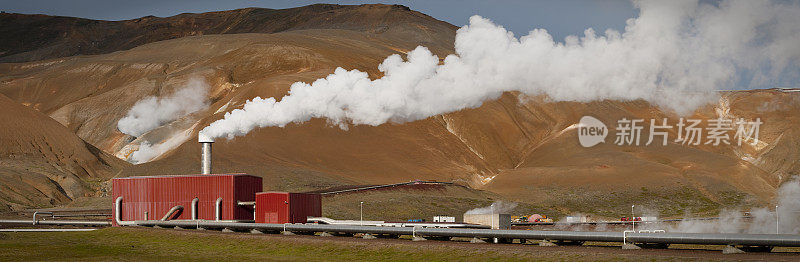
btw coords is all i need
(444, 219)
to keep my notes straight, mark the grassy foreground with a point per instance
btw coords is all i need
(128, 244)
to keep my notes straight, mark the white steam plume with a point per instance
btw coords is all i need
(148, 151)
(761, 221)
(498, 207)
(153, 112)
(675, 54)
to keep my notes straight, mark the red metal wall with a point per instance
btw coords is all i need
(282, 207)
(157, 194)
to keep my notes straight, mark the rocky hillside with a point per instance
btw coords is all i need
(520, 148)
(37, 37)
(44, 164)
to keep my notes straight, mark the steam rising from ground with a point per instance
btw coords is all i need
(153, 112)
(498, 207)
(675, 55)
(763, 220)
(148, 151)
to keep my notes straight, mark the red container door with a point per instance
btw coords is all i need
(315, 206)
(281, 204)
(272, 208)
(296, 208)
(304, 205)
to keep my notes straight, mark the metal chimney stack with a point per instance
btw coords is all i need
(206, 141)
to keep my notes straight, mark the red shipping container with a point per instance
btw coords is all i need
(155, 195)
(283, 207)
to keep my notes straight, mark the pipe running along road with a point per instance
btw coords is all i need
(55, 223)
(653, 238)
(39, 212)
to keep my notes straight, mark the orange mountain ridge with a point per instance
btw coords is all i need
(518, 147)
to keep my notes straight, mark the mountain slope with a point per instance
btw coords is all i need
(42, 163)
(37, 37)
(522, 148)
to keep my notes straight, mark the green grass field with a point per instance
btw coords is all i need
(169, 245)
(148, 244)
(139, 244)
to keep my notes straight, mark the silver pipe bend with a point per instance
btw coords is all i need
(37, 213)
(194, 208)
(218, 211)
(118, 213)
(171, 212)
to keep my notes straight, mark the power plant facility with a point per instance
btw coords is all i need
(234, 202)
(282, 207)
(228, 197)
(237, 202)
(633, 130)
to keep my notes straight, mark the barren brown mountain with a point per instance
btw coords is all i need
(36, 37)
(45, 164)
(518, 148)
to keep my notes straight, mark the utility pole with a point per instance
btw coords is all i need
(492, 216)
(362, 213)
(633, 219)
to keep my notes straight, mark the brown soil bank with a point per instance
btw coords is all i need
(43, 164)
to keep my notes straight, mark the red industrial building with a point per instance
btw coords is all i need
(151, 197)
(282, 207)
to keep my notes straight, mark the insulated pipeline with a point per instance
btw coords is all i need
(655, 238)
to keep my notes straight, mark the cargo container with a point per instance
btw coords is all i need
(495, 221)
(576, 219)
(447, 219)
(283, 207)
(649, 219)
(151, 197)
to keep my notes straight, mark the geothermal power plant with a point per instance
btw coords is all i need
(519, 130)
(235, 203)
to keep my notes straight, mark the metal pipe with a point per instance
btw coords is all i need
(47, 229)
(206, 164)
(788, 240)
(118, 213)
(218, 210)
(388, 185)
(37, 213)
(655, 238)
(56, 223)
(171, 212)
(194, 208)
(248, 203)
(205, 141)
(777, 222)
(83, 215)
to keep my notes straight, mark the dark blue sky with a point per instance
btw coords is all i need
(560, 18)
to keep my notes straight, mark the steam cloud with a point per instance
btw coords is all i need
(762, 220)
(147, 151)
(675, 54)
(153, 112)
(498, 207)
